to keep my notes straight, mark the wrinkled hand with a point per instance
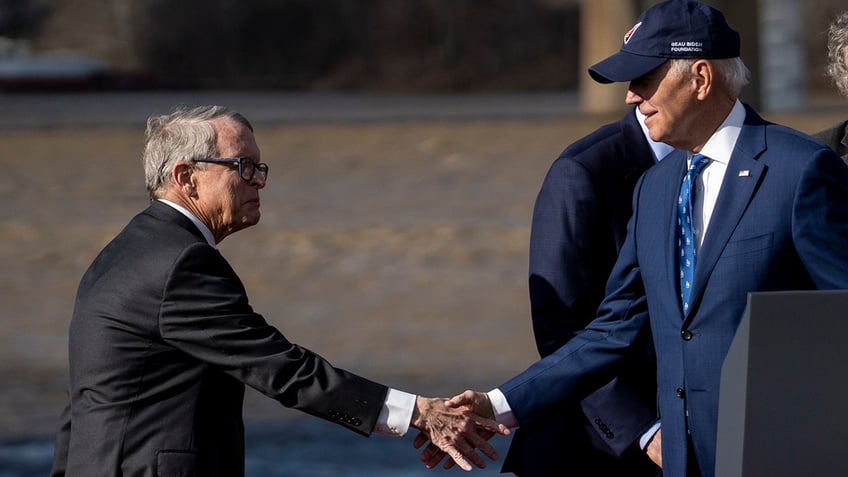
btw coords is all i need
(476, 407)
(454, 431)
(654, 448)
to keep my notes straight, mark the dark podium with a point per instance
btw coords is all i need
(783, 405)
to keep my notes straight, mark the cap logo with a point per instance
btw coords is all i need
(631, 32)
(687, 47)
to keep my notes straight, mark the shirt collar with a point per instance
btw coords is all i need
(660, 149)
(207, 234)
(720, 145)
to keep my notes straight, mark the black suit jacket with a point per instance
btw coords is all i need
(579, 225)
(162, 342)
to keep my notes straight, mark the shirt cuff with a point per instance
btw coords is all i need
(396, 414)
(643, 441)
(503, 413)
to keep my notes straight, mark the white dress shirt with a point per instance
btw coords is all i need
(708, 183)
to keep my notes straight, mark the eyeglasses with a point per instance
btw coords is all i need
(246, 166)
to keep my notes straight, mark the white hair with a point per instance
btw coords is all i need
(837, 50)
(732, 71)
(183, 135)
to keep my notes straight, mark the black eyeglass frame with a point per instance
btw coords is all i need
(242, 170)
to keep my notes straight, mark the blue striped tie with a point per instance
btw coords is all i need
(686, 236)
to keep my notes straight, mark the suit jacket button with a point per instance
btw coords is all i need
(356, 421)
(686, 335)
(681, 393)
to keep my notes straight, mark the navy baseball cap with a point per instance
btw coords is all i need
(671, 29)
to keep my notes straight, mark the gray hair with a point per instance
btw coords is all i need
(182, 136)
(732, 70)
(837, 48)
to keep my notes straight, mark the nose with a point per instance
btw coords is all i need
(632, 97)
(257, 181)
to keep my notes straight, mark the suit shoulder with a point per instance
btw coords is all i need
(786, 147)
(606, 149)
(600, 141)
(833, 135)
(149, 240)
(616, 150)
(778, 134)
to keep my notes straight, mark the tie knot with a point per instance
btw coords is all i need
(699, 161)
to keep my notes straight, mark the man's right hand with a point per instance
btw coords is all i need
(475, 406)
(455, 432)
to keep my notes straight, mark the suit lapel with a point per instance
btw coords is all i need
(744, 173)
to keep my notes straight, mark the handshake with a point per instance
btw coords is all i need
(456, 428)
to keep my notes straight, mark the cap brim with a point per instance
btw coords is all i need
(624, 66)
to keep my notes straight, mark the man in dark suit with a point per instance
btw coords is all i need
(579, 224)
(769, 213)
(163, 338)
(837, 68)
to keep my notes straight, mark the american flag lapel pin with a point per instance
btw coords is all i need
(744, 173)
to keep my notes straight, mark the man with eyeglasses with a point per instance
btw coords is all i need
(163, 339)
(246, 167)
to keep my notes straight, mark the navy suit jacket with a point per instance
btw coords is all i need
(162, 342)
(579, 225)
(780, 223)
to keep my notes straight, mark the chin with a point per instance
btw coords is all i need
(251, 220)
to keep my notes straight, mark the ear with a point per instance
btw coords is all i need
(702, 78)
(183, 177)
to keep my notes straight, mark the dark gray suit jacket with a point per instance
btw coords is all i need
(162, 342)
(837, 138)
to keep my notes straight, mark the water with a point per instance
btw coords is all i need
(305, 447)
(26, 458)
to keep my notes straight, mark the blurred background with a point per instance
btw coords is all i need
(406, 140)
(373, 45)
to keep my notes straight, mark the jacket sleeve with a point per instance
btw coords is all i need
(61, 444)
(206, 314)
(572, 251)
